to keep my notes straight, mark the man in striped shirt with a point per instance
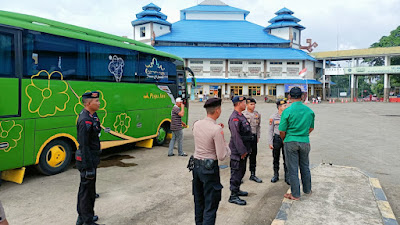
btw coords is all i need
(178, 111)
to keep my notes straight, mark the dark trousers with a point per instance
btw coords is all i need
(86, 198)
(238, 169)
(253, 155)
(207, 192)
(276, 152)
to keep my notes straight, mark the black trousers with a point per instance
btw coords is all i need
(86, 198)
(253, 155)
(207, 192)
(276, 152)
(238, 169)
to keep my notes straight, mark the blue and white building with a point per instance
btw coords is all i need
(230, 55)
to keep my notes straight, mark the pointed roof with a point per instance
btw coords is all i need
(151, 6)
(284, 18)
(151, 13)
(284, 10)
(212, 2)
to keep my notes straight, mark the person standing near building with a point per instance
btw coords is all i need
(297, 122)
(178, 111)
(210, 147)
(3, 220)
(275, 141)
(254, 118)
(87, 157)
(239, 144)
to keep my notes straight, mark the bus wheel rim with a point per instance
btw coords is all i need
(161, 134)
(56, 156)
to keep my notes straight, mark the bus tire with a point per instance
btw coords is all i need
(55, 157)
(161, 135)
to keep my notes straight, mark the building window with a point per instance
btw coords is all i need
(272, 90)
(236, 62)
(196, 62)
(294, 36)
(216, 62)
(160, 27)
(254, 62)
(293, 63)
(254, 90)
(276, 63)
(142, 31)
(236, 90)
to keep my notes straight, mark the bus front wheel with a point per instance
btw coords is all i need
(161, 135)
(55, 157)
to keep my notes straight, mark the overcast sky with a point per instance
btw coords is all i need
(333, 24)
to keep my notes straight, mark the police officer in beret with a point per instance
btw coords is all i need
(239, 144)
(275, 140)
(254, 119)
(210, 146)
(87, 157)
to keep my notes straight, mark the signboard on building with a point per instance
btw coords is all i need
(235, 71)
(292, 71)
(216, 70)
(303, 87)
(198, 70)
(276, 71)
(334, 71)
(372, 70)
(254, 70)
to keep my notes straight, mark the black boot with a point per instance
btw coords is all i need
(276, 176)
(242, 193)
(254, 178)
(234, 198)
(80, 222)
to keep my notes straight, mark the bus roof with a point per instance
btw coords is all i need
(72, 31)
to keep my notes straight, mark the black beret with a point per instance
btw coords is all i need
(248, 100)
(212, 102)
(93, 94)
(295, 92)
(238, 99)
(281, 102)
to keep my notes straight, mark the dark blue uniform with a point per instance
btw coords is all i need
(87, 160)
(239, 144)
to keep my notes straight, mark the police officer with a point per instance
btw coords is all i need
(210, 147)
(239, 144)
(254, 118)
(87, 157)
(275, 140)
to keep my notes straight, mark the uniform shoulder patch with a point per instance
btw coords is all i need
(88, 122)
(235, 119)
(270, 121)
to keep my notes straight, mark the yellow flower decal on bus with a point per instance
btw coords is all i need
(47, 96)
(10, 134)
(103, 104)
(122, 123)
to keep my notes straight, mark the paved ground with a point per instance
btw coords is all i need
(154, 189)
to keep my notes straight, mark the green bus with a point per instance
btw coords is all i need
(46, 66)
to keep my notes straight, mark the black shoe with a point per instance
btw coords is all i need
(242, 193)
(256, 179)
(171, 155)
(275, 179)
(80, 222)
(241, 181)
(97, 195)
(93, 223)
(236, 200)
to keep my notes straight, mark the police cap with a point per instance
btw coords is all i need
(295, 92)
(248, 100)
(93, 94)
(281, 102)
(238, 99)
(212, 102)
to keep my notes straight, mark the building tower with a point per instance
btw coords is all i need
(285, 25)
(150, 23)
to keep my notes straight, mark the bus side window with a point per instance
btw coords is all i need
(54, 53)
(108, 63)
(7, 55)
(156, 69)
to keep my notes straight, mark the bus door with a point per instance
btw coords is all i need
(11, 126)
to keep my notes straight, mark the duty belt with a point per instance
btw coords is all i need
(204, 162)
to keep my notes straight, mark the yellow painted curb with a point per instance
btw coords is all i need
(278, 222)
(386, 210)
(375, 183)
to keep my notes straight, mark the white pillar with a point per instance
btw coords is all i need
(386, 81)
(323, 80)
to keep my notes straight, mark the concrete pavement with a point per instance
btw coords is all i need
(341, 195)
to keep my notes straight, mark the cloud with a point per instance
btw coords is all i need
(332, 24)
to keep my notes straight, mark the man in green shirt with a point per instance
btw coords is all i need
(297, 122)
